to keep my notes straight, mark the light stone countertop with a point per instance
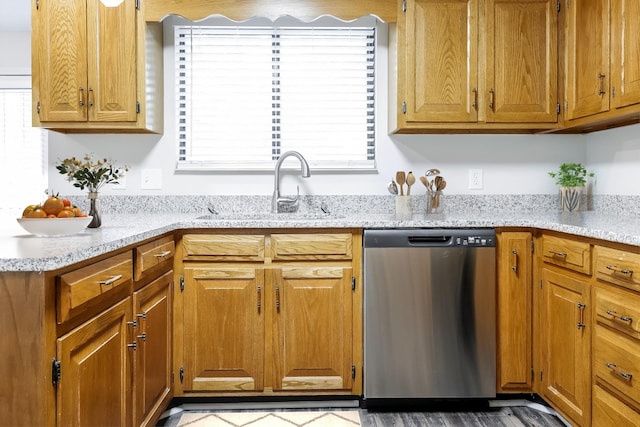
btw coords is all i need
(20, 251)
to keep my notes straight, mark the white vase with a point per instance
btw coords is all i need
(570, 197)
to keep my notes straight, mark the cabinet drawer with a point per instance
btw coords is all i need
(152, 254)
(618, 309)
(608, 411)
(224, 247)
(85, 286)
(617, 361)
(567, 253)
(618, 267)
(311, 246)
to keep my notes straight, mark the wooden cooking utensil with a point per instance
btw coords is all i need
(411, 179)
(400, 179)
(423, 180)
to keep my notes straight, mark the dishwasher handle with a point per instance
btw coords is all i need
(429, 240)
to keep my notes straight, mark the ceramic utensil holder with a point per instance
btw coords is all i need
(434, 201)
(404, 208)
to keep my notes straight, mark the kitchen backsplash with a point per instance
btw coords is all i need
(345, 204)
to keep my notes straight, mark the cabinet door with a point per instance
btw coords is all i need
(152, 370)
(566, 341)
(587, 58)
(521, 66)
(223, 328)
(312, 328)
(442, 60)
(625, 57)
(95, 385)
(515, 352)
(60, 60)
(111, 51)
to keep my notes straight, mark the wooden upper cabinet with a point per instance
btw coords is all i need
(87, 61)
(587, 60)
(60, 60)
(442, 67)
(95, 67)
(625, 57)
(476, 65)
(111, 53)
(521, 61)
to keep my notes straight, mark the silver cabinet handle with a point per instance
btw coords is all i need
(553, 252)
(616, 316)
(617, 269)
(111, 280)
(614, 368)
(601, 89)
(515, 260)
(581, 324)
(162, 254)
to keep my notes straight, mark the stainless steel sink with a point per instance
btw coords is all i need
(268, 216)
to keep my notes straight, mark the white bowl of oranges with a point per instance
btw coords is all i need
(54, 217)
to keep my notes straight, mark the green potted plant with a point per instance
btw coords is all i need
(572, 178)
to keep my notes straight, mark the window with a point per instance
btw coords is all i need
(23, 150)
(246, 94)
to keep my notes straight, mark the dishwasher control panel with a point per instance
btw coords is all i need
(475, 241)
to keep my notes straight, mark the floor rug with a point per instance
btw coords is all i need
(271, 419)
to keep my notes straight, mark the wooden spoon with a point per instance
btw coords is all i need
(400, 179)
(411, 179)
(423, 180)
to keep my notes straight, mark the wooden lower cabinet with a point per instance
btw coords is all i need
(609, 411)
(313, 331)
(515, 312)
(152, 372)
(566, 344)
(223, 328)
(95, 386)
(252, 324)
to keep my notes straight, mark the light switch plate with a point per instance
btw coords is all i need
(151, 179)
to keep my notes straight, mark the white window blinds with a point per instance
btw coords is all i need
(23, 149)
(247, 94)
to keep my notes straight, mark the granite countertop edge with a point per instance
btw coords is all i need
(21, 252)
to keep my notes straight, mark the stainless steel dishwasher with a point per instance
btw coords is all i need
(429, 316)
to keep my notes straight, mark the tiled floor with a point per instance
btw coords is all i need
(509, 416)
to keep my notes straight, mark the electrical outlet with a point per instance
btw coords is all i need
(475, 179)
(151, 179)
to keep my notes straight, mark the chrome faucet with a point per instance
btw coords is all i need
(287, 204)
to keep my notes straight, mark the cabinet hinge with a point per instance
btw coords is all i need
(56, 372)
(540, 376)
(613, 91)
(37, 4)
(557, 108)
(404, 5)
(353, 372)
(181, 283)
(181, 374)
(38, 107)
(540, 284)
(404, 107)
(353, 283)
(138, 4)
(137, 107)
(558, 6)
(533, 374)
(532, 246)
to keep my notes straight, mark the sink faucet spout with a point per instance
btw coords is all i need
(290, 203)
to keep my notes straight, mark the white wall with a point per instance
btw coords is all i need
(511, 163)
(614, 156)
(15, 52)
